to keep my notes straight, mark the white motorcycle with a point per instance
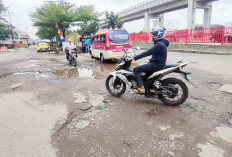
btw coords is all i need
(171, 91)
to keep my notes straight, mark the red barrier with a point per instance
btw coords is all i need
(139, 37)
(220, 35)
(16, 46)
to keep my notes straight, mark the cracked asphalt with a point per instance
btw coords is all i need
(48, 108)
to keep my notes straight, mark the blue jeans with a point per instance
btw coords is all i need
(87, 48)
(147, 68)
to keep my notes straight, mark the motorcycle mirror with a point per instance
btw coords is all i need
(138, 48)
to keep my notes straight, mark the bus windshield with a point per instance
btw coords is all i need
(118, 36)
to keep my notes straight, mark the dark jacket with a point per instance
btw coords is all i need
(158, 52)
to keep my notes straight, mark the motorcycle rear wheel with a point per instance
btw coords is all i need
(115, 89)
(173, 82)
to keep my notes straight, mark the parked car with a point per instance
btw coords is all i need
(43, 46)
(110, 44)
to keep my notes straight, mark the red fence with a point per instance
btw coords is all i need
(221, 35)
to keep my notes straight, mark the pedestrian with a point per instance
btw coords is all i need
(87, 46)
(79, 44)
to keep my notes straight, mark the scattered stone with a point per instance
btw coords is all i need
(227, 88)
(127, 143)
(164, 127)
(80, 98)
(16, 86)
(106, 101)
(171, 153)
(96, 100)
(82, 124)
(84, 106)
(173, 136)
(98, 107)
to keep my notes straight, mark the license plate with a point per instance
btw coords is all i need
(120, 46)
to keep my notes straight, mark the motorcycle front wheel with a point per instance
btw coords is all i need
(115, 88)
(74, 62)
(178, 92)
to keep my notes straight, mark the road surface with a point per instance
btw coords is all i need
(48, 108)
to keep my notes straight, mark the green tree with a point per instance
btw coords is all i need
(88, 25)
(3, 31)
(113, 21)
(88, 28)
(46, 16)
(46, 32)
(2, 7)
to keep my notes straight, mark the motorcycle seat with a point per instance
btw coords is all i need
(168, 66)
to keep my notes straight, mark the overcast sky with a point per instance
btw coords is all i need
(222, 12)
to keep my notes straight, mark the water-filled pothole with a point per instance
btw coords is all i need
(81, 72)
(98, 72)
(5, 75)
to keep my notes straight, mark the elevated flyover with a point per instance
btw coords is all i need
(156, 9)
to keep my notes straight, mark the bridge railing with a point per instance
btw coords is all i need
(216, 35)
(136, 6)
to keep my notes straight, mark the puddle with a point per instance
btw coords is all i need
(210, 150)
(225, 133)
(86, 73)
(23, 73)
(81, 72)
(6, 75)
(31, 63)
(99, 72)
(35, 138)
(42, 76)
(67, 73)
(106, 69)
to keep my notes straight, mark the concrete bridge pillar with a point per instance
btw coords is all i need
(147, 22)
(207, 16)
(161, 20)
(191, 14)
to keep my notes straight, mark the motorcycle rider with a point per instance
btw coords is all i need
(157, 61)
(68, 48)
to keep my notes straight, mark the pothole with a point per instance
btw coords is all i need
(31, 63)
(80, 72)
(6, 75)
(213, 85)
